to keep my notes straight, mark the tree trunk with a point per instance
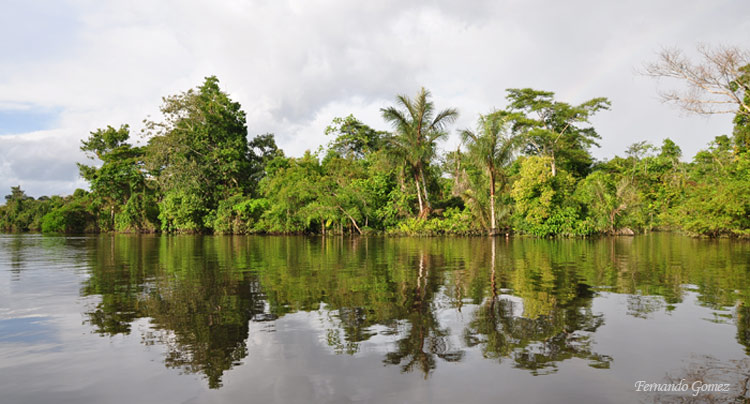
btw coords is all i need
(424, 189)
(493, 229)
(354, 222)
(419, 198)
(457, 172)
(554, 167)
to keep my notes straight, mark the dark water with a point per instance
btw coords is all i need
(148, 319)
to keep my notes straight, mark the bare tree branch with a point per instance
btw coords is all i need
(722, 77)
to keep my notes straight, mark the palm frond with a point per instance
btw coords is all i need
(467, 136)
(396, 118)
(444, 118)
(407, 103)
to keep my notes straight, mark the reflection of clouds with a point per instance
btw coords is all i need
(643, 306)
(515, 305)
(28, 341)
(28, 330)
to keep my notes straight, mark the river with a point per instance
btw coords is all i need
(210, 319)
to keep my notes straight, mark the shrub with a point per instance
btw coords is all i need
(71, 218)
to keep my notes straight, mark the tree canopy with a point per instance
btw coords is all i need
(556, 129)
(526, 168)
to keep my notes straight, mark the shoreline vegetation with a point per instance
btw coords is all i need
(526, 169)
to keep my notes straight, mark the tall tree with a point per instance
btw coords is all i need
(491, 148)
(16, 194)
(417, 128)
(354, 139)
(120, 182)
(15, 214)
(553, 129)
(200, 154)
(261, 150)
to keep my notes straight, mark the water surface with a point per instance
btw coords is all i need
(182, 319)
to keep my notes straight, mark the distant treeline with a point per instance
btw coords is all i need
(525, 169)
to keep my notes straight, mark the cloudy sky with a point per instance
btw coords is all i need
(69, 67)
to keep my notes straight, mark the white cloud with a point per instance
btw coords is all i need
(295, 65)
(41, 161)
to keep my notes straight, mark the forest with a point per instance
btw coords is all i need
(526, 169)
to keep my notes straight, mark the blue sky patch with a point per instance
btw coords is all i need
(26, 120)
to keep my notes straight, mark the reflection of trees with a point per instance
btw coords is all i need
(23, 249)
(561, 330)
(394, 287)
(533, 303)
(351, 329)
(119, 276)
(203, 320)
(200, 304)
(16, 258)
(424, 339)
(743, 326)
(199, 309)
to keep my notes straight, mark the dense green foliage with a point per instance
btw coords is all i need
(526, 169)
(119, 187)
(199, 156)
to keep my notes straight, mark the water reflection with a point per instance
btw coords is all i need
(524, 302)
(198, 308)
(422, 338)
(701, 377)
(15, 247)
(743, 325)
(556, 320)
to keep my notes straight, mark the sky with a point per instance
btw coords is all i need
(69, 67)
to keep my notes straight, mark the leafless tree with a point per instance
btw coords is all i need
(718, 84)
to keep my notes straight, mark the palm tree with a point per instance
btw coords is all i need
(417, 128)
(492, 149)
